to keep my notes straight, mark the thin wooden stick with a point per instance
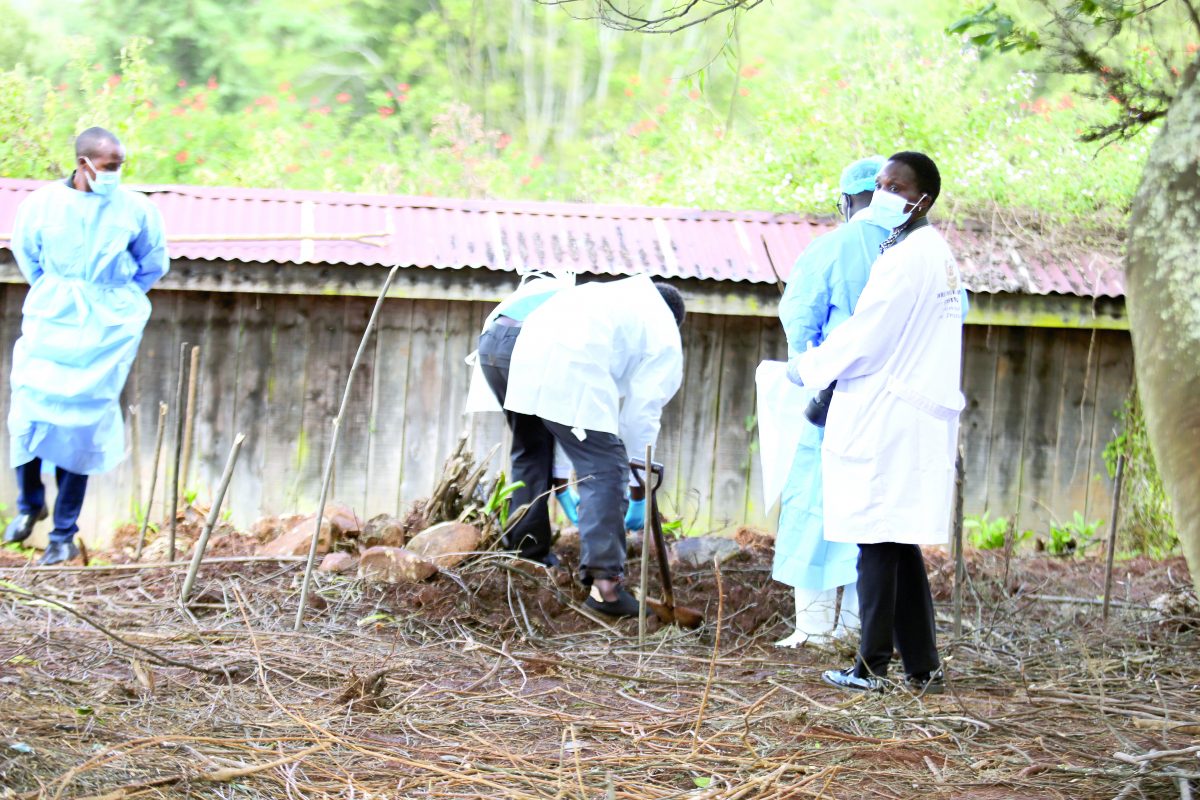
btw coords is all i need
(644, 580)
(1112, 534)
(173, 509)
(135, 446)
(158, 442)
(337, 427)
(213, 514)
(153, 565)
(960, 558)
(716, 651)
(189, 419)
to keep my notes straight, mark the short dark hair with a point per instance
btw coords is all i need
(88, 142)
(929, 180)
(673, 299)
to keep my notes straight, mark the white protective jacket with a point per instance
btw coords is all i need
(601, 357)
(891, 437)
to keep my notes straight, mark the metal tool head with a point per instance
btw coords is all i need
(638, 465)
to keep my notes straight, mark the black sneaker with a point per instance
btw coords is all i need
(846, 679)
(58, 553)
(926, 683)
(22, 526)
(626, 605)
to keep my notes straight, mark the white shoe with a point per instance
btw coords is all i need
(801, 639)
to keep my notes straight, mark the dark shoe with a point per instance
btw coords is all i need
(22, 526)
(550, 560)
(926, 683)
(58, 553)
(625, 605)
(846, 679)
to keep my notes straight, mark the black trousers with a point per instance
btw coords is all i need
(600, 462)
(896, 610)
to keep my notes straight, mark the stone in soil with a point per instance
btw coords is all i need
(394, 565)
(699, 551)
(446, 544)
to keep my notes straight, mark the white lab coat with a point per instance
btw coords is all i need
(601, 357)
(891, 437)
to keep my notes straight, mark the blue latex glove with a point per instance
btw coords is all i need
(568, 501)
(635, 515)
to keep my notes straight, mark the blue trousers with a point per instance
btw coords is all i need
(31, 497)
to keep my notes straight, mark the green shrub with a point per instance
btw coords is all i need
(1146, 524)
(986, 533)
(1069, 537)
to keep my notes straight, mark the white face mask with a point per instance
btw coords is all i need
(105, 182)
(887, 209)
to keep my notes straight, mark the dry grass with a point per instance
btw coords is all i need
(490, 684)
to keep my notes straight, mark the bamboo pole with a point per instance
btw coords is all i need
(135, 447)
(337, 428)
(644, 579)
(214, 514)
(173, 508)
(960, 559)
(189, 419)
(1112, 534)
(158, 441)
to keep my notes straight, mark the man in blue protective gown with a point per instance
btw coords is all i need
(821, 294)
(90, 250)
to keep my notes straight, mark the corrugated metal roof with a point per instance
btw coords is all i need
(586, 238)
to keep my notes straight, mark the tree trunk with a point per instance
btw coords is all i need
(1163, 293)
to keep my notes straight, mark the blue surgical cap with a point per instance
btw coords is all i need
(860, 176)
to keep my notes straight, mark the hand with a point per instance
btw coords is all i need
(793, 371)
(635, 515)
(568, 501)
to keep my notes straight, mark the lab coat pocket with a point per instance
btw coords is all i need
(858, 425)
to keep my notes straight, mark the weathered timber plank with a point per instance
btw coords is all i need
(1041, 423)
(1077, 407)
(693, 491)
(1008, 422)
(218, 395)
(1114, 378)
(256, 315)
(393, 354)
(286, 444)
(351, 462)
(734, 457)
(980, 351)
(10, 326)
(423, 402)
(323, 381)
(461, 335)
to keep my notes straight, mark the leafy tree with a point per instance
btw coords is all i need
(1143, 56)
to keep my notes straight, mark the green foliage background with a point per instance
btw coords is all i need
(510, 98)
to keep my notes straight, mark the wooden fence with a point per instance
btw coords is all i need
(1040, 408)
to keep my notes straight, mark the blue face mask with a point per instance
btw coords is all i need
(887, 209)
(105, 182)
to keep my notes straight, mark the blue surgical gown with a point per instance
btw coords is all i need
(821, 293)
(89, 260)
